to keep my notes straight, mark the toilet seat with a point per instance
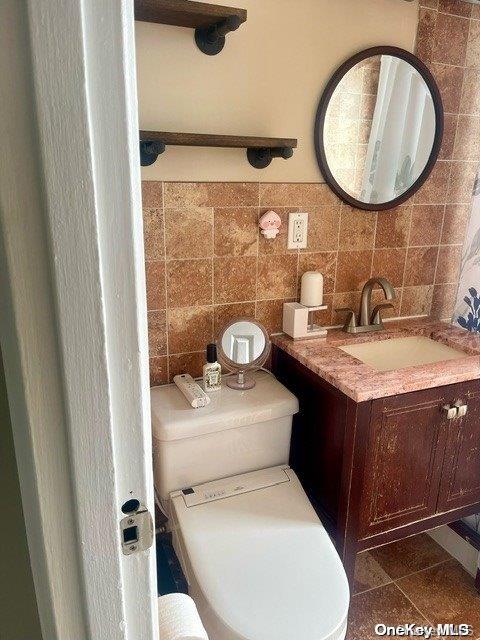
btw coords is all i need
(259, 561)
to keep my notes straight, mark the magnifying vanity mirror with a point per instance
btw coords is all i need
(379, 128)
(243, 347)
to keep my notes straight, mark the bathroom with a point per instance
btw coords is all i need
(209, 263)
(239, 350)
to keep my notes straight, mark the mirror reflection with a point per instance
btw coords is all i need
(243, 342)
(379, 129)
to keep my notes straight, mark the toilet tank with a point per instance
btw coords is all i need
(239, 431)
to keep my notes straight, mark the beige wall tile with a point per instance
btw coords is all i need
(155, 281)
(323, 261)
(416, 301)
(455, 7)
(191, 363)
(323, 228)
(357, 229)
(455, 223)
(236, 231)
(189, 232)
(390, 264)
(353, 270)
(467, 142)
(189, 329)
(152, 194)
(420, 267)
(277, 277)
(451, 37)
(153, 234)
(449, 133)
(448, 265)
(460, 184)
(443, 301)
(393, 227)
(234, 279)
(473, 48)
(158, 371)
(225, 313)
(295, 195)
(157, 333)
(426, 224)
(270, 314)
(189, 283)
(449, 80)
(434, 191)
(211, 194)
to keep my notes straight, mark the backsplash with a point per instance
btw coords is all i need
(207, 262)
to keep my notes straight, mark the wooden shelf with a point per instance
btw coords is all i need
(260, 151)
(184, 13)
(211, 22)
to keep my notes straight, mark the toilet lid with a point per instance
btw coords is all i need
(262, 558)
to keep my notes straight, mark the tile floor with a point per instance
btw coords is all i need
(413, 580)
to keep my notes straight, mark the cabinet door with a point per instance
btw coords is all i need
(407, 439)
(460, 485)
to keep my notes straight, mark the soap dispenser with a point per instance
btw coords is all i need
(212, 371)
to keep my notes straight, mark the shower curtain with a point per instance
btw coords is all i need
(467, 308)
(402, 131)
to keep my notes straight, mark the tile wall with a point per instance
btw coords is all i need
(206, 261)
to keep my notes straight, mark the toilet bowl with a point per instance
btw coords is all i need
(258, 561)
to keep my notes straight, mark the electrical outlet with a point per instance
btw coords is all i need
(297, 230)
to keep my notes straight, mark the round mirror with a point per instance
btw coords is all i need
(243, 346)
(379, 128)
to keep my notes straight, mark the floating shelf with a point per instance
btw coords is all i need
(211, 22)
(260, 151)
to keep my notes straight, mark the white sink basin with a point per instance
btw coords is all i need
(398, 353)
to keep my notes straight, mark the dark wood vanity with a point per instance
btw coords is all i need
(386, 468)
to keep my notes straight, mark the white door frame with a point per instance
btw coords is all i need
(73, 325)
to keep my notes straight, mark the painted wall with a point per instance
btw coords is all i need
(267, 80)
(18, 605)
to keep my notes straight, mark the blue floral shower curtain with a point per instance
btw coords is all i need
(467, 308)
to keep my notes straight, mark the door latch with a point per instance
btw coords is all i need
(136, 529)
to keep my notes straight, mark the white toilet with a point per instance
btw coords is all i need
(259, 563)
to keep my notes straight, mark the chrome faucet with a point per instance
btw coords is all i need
(369, 320)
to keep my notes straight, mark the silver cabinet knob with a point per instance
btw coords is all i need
(450, 411)
(461, 408)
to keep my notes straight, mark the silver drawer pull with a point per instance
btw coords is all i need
(461, 408)
(450, 410)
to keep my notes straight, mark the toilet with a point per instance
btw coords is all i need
(258, 561)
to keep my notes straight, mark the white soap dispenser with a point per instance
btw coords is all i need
(212, 371)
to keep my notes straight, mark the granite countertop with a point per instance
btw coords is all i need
(362, 382)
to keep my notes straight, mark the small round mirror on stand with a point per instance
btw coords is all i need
(379, 128)
(243, 347)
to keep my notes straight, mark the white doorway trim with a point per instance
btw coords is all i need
(73, 325)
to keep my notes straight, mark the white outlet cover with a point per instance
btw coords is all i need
(295, 220)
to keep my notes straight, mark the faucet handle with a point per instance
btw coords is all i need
(351, 320)
(376, 317)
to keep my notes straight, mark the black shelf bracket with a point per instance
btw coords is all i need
(261, 158)
(211, 40)
(149, 151)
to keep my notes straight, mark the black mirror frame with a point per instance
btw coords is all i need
(320, 123)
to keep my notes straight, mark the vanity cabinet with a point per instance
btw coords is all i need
(383, 469)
